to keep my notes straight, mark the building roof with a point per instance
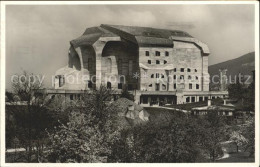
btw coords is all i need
(142, 36)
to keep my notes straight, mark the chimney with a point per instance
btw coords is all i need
(209, 102)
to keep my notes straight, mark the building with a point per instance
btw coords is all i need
(158, 66)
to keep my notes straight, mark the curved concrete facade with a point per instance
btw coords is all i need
(138, 58)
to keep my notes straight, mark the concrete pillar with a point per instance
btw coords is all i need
(209, 102)
(98, 47)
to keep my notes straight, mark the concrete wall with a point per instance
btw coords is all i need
(119, 60)
(183, 55)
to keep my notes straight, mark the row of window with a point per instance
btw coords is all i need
(157, 53)
(157, 86)
(157, 62)
(157, 75)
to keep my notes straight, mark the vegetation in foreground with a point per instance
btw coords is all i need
(92, 131)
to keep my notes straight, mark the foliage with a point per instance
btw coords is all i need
(126, 94)
(89, 132)
(238, 138)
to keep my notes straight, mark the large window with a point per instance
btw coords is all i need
(181, 76)
(164, 61)
(182, 69)
(157, 61)
(61, 80)
(152, 76)
(188, 69)
(174, 86)
(166, 53)
(149, 61)
(147, 53)
(174, 69)
(157, 53)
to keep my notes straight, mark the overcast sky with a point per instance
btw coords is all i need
(37, 37)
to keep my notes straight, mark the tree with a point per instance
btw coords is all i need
(88, 134)
(29, 113)
(238, 138)
(213, 134)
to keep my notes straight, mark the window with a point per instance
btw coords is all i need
(157, 87)
(152, 76)
(174, 69)
(108, 85)
(174, 76)
(200, 98)
(151, 85)
(149, 62)
(197, 78)
(182, 77)
(89, 84)
(145, 99)
(166, 53)
(130, 67)
(157, 75)
(130, 87)
(71, 97)
(188, 69)
(190, 86)
(174, 86)
(157, 53)
(197, 86)
(182, 69)
(120, 86)
(195, 70)
(193, 99)
(162, 76)
(164, 61)
(147, 53)
(163, 87)
(61, 80)
(189, 77)
(53, 96)
(187, 99)
(157, 62)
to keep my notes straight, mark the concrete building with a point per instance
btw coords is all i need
(158, 66)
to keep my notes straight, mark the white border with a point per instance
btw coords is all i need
(2, 86)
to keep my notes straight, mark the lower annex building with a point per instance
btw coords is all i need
(156, 65)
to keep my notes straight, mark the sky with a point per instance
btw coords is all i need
(37, 36)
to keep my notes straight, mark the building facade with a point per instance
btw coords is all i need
(158, 66)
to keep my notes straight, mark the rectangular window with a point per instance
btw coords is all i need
(166, 53)
(157, 62)
(197, 86)
(174, 86)
(192, 99)
(130, 67)
(71, 97)
(174, 76)
(188, 70)
(151, 85)
(145, 100)
(120, 85)
(61, 80)
(157, 53)
(182, 69)
(174, 69)
(157, 75)
(149, 62)
(190, 86)
(147, 53)
(157, 87)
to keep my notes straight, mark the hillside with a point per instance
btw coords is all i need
(243, 64)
